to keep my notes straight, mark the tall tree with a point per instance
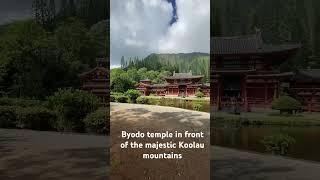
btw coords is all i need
(42, 13)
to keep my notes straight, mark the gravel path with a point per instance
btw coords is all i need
(128, 163)
(177, 117)
(34, 155)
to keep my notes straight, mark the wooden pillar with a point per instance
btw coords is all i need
(311, 102)
(218, 96)
(275, 91)
(245, 95)
(265, 93)
(186, 92)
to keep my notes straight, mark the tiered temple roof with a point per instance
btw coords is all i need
(96, 80)
(249, 44)
(307, 75)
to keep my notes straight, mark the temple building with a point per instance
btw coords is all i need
(305, 87)
(96, 81)
(180, 84)
(245, 71)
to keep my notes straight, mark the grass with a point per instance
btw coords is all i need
(267, 118)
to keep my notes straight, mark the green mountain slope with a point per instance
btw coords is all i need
(197, 63)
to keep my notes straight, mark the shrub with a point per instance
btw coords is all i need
(153, 100)
(278, 144)
(133, 95)
(197, 106)
(37, 118)
(116, 93)
(199, 94)
(121, 99)
(98, 121)
(72, 106)
(8, 116)
(286, 104)
(142, 100)
(112, 98)
(5, 101)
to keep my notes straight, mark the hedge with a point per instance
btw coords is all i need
(154, 100)
(37, 118)
(112, 98)
(142, 100)
(98, 121)
(8, 116)
(133, 95)
(73, 106)
(197, 107)
(286, 104)
(121, 99)
(5, 101)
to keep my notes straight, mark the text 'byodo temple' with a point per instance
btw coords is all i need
(245, 70)
(180, 84)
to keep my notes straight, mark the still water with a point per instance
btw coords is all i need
(307, 144)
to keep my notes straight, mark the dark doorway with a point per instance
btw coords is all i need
(231, 86)
(182, 90)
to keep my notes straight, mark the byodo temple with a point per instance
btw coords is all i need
(180, 84)
(245, 71)
(96, 81)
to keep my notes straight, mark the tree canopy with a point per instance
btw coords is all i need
(285, 21)
(40, 55)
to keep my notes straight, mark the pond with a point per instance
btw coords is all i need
(249, 138)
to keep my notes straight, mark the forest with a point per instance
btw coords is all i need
(40, 61)
(47, 52)
(281, 21)
(156, 67)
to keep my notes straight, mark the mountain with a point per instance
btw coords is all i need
(197, 63)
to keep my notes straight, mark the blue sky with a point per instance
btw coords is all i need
(142, 27)
(174, 12)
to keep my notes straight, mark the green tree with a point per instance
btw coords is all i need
(120, 81)
(44, 13)
(22, 59)
(133, 95)
(74, 44)
(99, 34)
(73, 106)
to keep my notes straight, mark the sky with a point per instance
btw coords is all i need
(141, 27)
(11, 10)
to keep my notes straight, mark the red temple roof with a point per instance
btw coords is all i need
(249, 44)
(84, 74)
(307, 75)
(277, 75)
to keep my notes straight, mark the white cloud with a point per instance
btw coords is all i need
(141, 27)
(114, 66)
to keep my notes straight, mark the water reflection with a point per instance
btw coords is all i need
(307, 144)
